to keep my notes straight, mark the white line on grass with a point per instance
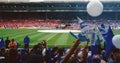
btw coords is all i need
(62, 40)
(51, 37)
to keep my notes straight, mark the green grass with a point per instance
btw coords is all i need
(59, 39)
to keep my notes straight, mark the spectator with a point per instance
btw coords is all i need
(96, 60)
(35, 58)
(26, 41)
(2, 55)
(7, 41)
(13, 56)
(1, 43)
(13, 44)
(115, 56)
(23, 56)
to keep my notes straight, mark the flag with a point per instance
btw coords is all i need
(91, 34)
(83, 26)
(107, 35)
(79, 36)
(94, 43)
(1, 42)
(75, 36)
(98, 41)
(99, 36)
(92, 37)
(109, 44)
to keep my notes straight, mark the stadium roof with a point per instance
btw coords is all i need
(27, 1)
(55, 7)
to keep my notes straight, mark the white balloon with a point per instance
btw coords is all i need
(116, 41)
(94, 8)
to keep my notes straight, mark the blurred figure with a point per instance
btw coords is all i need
(7, 41)
(54, 54)
(13, 56)
(96, 60)
(13, 44)
(115, 56)
(24, 56)
(35, 58)
(2, 55)
(1, 42)
(26, 41)
(84, 54)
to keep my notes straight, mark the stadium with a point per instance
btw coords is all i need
(51, 31)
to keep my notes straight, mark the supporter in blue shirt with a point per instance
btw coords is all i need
(26, 41)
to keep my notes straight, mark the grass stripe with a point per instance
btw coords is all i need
(54, 39)
(70, 39)
(44, 37)
(51, 37)
(37, 36)
(64, 38)
(13, 31)
(23, 35)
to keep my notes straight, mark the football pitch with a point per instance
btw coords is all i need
(59, 39)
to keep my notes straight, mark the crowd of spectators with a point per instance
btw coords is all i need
(113, 24)
(40, 53)
(29, 23)
(35, 23)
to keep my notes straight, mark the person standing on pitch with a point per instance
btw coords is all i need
(7, 41)
(26, 41)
